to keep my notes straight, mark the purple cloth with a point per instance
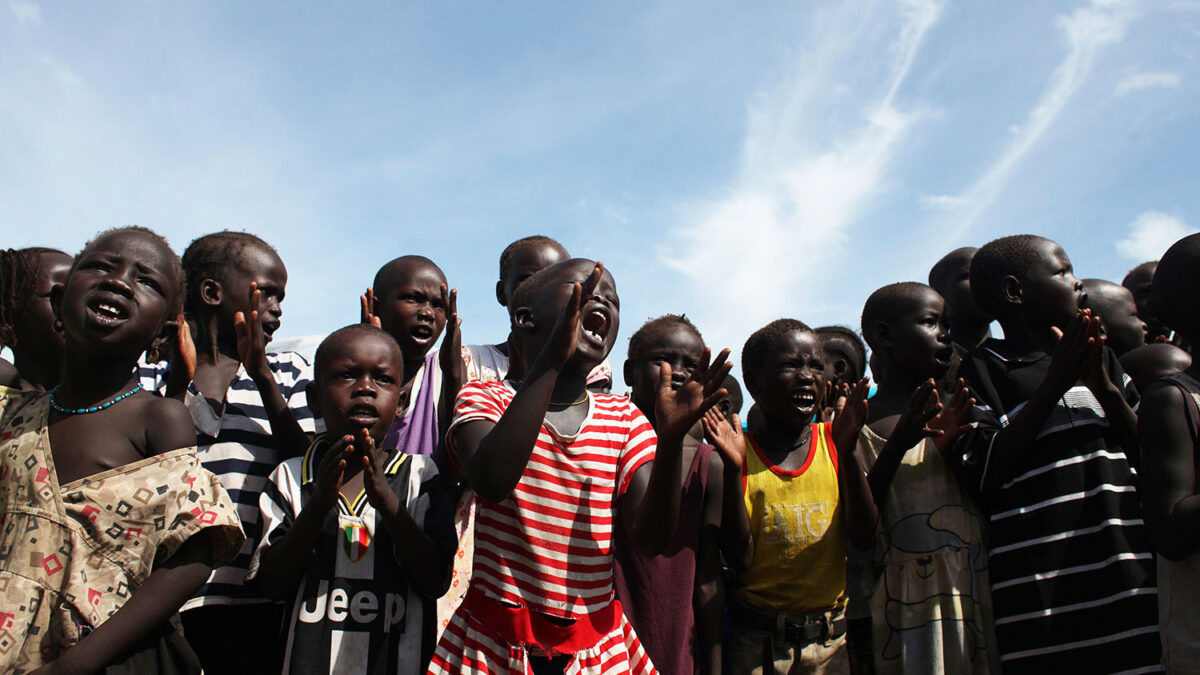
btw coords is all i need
(657, 592)
(416, 432)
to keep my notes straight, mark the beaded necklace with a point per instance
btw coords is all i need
(96, 408)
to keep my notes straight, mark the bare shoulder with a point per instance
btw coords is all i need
(167, 422)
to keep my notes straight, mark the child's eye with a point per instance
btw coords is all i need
(385, 379)
(150, 283)
(345, 375)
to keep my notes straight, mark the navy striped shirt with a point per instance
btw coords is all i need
(1073, 576)
(236, 444)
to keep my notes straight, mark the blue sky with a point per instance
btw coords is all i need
(736, 162)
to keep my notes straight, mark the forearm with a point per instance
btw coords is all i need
(1123, 421)
(1013, 442)
(290, 439)
(150, 606)
(658, 513)
(737, 543)
(884, 470)
(1176, 533)
(862, 515)
(282, 566)
(426, 566)
(496, 465)
(708, 608)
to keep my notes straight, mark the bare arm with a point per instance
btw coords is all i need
(862, 516)
(708, 598)
(1172, 507)
(909, 430)
(736, 540)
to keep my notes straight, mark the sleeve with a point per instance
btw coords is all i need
(438, 523)
(969, 456)
(153, 376)
(278, 506)
(1116, 373)
(639, 448)
(475, 402)
(200, 503)
(974, 370)
(294, 372)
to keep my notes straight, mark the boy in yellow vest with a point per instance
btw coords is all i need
(804, 493)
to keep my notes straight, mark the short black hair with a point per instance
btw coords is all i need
(510, 251)
(1145, 268)
(18, 280)
(327, 349)
(937, 273)
(997, 260)
(212, 256)
(856, 343)
(760, 343)
(175, 301)
(637, 343)
(1173, 297)
(384, 276)
(885, 303)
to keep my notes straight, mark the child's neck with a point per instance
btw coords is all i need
(570, 387)
(894, 390)
(40, 373)
(411, 368)
(971, 336)
(777, 438)
(214, 346)
(89, 378)
(1023, 337)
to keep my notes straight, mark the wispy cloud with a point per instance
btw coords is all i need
(27, 12)
(803, 179)
(1151, 234)
(1088, 31)
(1146, 80)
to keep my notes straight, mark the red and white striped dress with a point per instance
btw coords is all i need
(548, 546)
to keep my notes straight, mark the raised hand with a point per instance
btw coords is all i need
(677, 410)
(846, 426)
(329, 472)
(183, 349)
(1069, 360)
(366, 314)
(725, 436)
(835, 400)
(251, 341)
(915, 422)
(379, 493)
(450, 355)
(565, 337)
(1095, 372)
(952, 420)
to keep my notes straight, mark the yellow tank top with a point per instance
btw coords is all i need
(799, 538)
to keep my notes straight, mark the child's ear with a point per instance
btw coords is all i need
(168, 330)
(57, 292)
(522, 318)
(314, 402)
(883, 334)
(500, 294)
(1013, 293)
(210, 292)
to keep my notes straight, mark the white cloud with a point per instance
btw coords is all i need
(943, 202)
(26, 11)
(1151, 234)
(1088, 31)
(1143, 80)
(801, 184)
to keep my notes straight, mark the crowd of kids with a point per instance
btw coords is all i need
(177, 497)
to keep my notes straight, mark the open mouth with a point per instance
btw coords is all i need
(943, 356)
(595, 326)
(804, 399)
(108, 312)
(269, 329)
(363, 415)
(421, 333)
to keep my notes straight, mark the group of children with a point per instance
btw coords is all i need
(178, 497)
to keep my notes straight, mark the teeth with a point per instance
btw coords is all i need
(108, 309)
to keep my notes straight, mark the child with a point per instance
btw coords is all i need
(672, 600)
(1071, 568)
(804, 495)
(358, 540)
(845, 355)
(731, 403)
(249, 413)
(1123, 329)
(932, 609)
(410, 301)
(520, 260)
(1152, 362)
(950, 277)
(1169, 430)
(1138, 282)
(553, 466)
(27, 325)
(110, 523)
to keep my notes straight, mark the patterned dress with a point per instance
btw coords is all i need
(71, 555)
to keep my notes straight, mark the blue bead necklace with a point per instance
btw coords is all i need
(96, 408)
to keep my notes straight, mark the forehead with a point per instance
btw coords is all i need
(417, 273)
(797, 342)
(923, 300)
(1047, 253)
(364, 347)
(579, 270)
(144, 248)
(52, 262)
(675, 337)
(258, 259)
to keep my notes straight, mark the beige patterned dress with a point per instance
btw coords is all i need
(71, 555)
